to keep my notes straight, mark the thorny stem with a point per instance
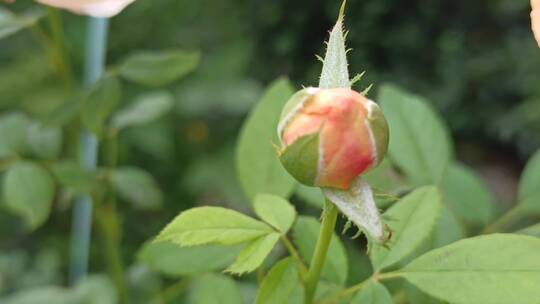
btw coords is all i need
(321, 248)
(296, 256)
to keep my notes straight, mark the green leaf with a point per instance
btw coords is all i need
(143, 284)
(144, 109)
(327, 289)
(101, 101)
(158, 68)
(498, 268)
(533, 230)
(249, 291)
(420, 144)
(23, 75)
(39, 295)
(310, 195)
(66, 111)
(44, 142)
(413, 219)
(29, 192)
(449, 229)
(467, 195)
(10, 23)
(214, 289)
(258, 167)
(276, 211)
(14, 128)
(415, 295)
(529, 185)
(279, 284)
(137, 187)
(253, 255)
(74, 176)
(232, 96)
(361, 269)
(94, 289)
(173, 260)
(373, 292)
(157, 139)
(305, 233)
(297, 296)
(335, 73)
(206, 225)
(43, 100)
(209, 174)
(385, 179)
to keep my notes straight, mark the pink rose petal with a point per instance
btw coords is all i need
(94, 8)
(535, 20)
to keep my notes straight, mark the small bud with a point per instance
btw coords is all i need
(331, 136)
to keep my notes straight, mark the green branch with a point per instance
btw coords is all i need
(294, 253)
(319, 256)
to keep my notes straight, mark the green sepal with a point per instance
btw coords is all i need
(301, 159)
(379, 128)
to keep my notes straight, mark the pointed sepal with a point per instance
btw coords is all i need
(358, 205)
(335, 71)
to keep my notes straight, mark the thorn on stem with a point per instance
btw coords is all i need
(346, 227)
(276, 147)
(388, 237)
(357, 78)
(358, 234)
(366, 91)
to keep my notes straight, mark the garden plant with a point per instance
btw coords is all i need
(354, 191)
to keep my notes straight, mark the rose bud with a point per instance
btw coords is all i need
(331, 136)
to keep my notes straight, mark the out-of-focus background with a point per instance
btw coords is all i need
(475, 61)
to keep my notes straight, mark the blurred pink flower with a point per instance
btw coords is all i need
(94, 8)
(535, 19)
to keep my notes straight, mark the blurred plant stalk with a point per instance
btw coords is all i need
(82, 212)
(106, 214)
(59, 55)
